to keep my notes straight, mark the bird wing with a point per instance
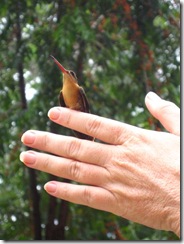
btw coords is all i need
(85, 107)
(84, 100)
(61, 99)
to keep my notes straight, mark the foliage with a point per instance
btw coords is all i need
(120, 50)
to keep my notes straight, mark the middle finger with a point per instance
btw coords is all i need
(68, 147)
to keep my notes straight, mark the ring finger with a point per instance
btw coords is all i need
(65, 168)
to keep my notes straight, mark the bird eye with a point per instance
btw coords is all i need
(73, 74)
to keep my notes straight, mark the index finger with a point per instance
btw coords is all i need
(106, 130)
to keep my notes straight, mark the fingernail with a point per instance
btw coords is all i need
(28, 137)
(21, 157)
(153, 96)
(28, 157)
(54, 113)
(50, 187)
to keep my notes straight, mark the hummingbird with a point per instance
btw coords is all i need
(72, 95)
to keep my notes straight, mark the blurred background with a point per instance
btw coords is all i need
(119, 50)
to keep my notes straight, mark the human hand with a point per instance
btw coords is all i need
(136, 174)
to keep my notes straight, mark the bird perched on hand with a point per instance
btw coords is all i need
(72, 95)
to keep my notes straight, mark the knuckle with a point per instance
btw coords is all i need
(67, 119)
(74, 170)
(46, 140)
(47, 163)
(87, 196)
(165, 108)
(93, 126)
(65, 191)
(73, 148)
(117, 134)
(168, 107)
(102, 156)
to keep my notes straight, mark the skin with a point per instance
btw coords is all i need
(134, 174)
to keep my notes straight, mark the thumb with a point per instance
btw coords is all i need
(166, 112)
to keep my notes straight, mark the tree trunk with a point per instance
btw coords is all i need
(34, 196)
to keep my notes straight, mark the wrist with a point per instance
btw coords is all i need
(177, 230)
(175, 225)
(174, 217)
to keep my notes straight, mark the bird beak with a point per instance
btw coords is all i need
(59, 65)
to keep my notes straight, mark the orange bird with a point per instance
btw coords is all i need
(72, 95)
